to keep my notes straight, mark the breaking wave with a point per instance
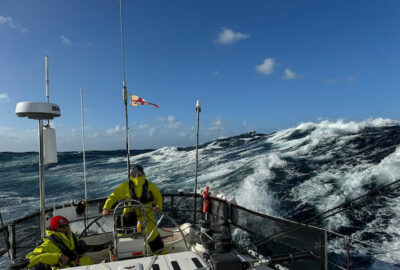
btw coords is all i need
(293, 173)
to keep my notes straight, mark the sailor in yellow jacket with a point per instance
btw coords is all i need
(140, 189)
(60, 249)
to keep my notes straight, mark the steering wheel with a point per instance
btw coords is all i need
(90, 224)
(134, 204)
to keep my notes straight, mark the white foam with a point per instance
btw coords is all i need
(253, 192)
(116, 160)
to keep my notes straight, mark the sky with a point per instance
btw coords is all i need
(254, 65)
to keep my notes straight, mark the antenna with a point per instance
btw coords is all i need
(124, 91)
(46, 66)
(40, 111)
(84, 155)
(198, 110)
(46, 60)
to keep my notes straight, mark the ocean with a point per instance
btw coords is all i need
(294, 173)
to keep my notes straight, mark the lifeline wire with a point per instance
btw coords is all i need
(340, 208)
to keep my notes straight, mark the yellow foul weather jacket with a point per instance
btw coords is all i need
(49, 253)
(122, 192)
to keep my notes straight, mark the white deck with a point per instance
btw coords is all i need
(185, 260)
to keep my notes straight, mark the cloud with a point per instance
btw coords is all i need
(65, 40)
(291, 75)
(4, 97)
(143, 126)
(183, 134)
(10, 23)
(228, 36)
(93, 135)
(152, 131)
(349, 80)
(215, 73)
(219, 127)
(171, 121)
(267, 67)
(332, 80)
(115, 130)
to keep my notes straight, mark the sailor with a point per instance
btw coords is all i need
(140, 189)
(60, 249)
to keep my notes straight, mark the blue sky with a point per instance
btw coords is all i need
(254, 65)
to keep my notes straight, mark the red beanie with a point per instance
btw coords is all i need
(57, 221)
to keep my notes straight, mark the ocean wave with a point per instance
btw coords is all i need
(297, 172)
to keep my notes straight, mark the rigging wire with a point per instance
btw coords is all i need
(122, 43)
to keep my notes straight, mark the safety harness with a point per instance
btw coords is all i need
(146, 197)
(71, 254)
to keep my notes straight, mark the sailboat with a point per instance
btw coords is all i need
(196, 229)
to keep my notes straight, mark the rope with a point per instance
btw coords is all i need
(153, 259)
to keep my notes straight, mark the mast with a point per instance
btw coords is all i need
(198, 110)
(124, 92)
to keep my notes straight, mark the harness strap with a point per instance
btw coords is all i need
(71, 254)
(146, 197)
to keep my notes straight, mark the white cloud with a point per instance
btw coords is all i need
(215, 73)
(115, 130)
(170, 120)
(93, 135)
(10, 22)
(350, 79)
(267, 67)
(143, 126)
(152, 131)
(183, 134)
(291, 75)
(332, 80)
(65, 40)
(228, 36)
(4, 97)
(219, 127)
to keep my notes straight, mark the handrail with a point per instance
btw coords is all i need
(171, 196)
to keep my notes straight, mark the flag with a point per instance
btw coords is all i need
(135, 101)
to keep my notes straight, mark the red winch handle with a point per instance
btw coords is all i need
(206, 201)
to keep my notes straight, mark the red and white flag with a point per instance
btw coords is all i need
(135, 101)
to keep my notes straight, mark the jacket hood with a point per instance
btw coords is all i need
(58, 234)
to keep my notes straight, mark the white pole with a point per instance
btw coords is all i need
(41, 181)
(83, 145)
(46, 60)
(84, 157)
(198, 110)
(46, 66)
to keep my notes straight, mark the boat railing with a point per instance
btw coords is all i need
(271, 236)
